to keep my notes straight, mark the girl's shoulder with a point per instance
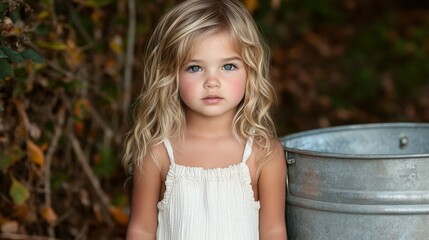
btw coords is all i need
(265, 155)
(159, 150)
(159, 156)
(271, 149)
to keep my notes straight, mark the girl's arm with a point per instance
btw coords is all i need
(145, 196)
(272, 196)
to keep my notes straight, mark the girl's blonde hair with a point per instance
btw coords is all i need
(160, 111)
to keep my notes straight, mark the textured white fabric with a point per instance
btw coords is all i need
(212, 204)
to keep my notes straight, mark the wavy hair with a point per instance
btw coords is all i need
(160, 111)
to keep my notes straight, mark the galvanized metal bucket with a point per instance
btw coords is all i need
(368, 181)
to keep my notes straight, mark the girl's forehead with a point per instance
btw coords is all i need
(216, 39)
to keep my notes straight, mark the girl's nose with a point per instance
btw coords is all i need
(212, 82)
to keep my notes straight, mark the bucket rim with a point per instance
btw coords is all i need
(318, 131)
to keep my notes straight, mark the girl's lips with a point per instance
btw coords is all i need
(212, 99)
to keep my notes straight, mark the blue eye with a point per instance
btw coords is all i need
(193, 68)
(229, 67)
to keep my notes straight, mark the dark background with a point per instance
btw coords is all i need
(70, 70)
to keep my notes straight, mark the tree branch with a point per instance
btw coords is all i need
(129, 57)
(49, 154)
(22, 237)
(105, 201)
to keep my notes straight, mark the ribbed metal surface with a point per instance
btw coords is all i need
(367, 181)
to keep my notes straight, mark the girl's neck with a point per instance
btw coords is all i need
(209, 127)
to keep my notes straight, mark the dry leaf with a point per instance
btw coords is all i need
(42, 15)
(97, 212)
(48, 214)
(97, 16)
(120, 217)
(116, 44)
(80, 108)
(74, 54)
(275, 4)
(96, 158)
(18, 192)
(79, 128)
(111, 66)
(24, 213)
(252, 5)
(35, 153)
(10, 227)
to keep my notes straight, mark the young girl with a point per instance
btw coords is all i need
(203, 153)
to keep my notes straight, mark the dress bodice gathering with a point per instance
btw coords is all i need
(212, 204)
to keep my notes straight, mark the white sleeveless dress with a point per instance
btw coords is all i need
(212, 204)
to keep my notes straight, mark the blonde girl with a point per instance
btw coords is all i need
(203, 152)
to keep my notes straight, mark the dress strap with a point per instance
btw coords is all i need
(169, 149)
(247, 150)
